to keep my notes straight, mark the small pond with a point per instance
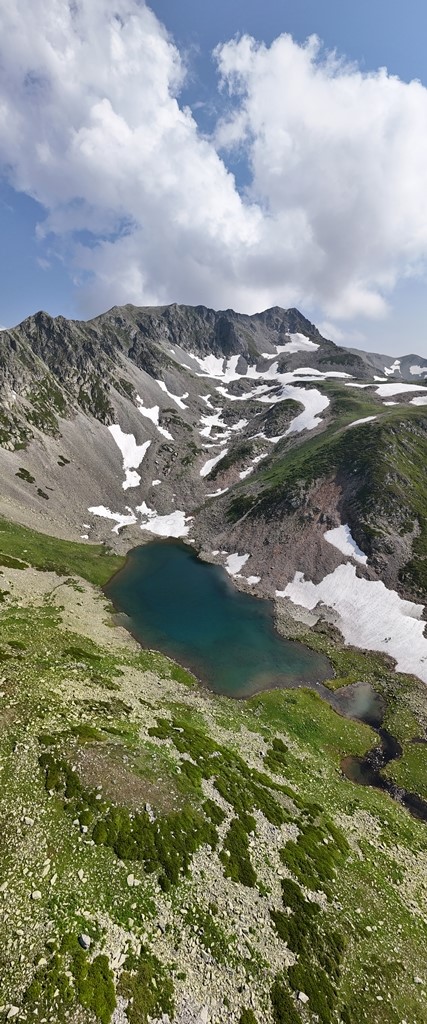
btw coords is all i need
(192, 612)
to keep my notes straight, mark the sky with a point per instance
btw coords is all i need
(240, 154)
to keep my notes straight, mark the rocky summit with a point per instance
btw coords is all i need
(168, 853)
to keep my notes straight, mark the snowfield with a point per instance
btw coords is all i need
(388, 390)
(132, 454)
(370, 616)
(175, 524)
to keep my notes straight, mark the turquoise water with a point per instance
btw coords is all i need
(192, 612)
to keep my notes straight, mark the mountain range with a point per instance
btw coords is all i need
(250, 425)
(169, 854)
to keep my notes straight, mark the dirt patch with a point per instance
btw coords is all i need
(111, 767)
(7, 718)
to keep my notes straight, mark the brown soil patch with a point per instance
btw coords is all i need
(105, 765)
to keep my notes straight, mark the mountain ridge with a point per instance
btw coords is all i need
(168, 854)
(242, 432)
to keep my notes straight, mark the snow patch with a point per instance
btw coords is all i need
(394, 368)
(234, 563)
(252, 580)
(175, 524)
(418, 369)
(298, 343)
(132, 452)
(150, 414)
(216, 494)
(165, 433)
(387, 390)
(155, 483)
(341, 538)
(175, 398)
(366, 419)
(209, 465)
(370, 615)
(132, 479)
(153, 415)
(120, 520)
(422, 400)
(246, 472)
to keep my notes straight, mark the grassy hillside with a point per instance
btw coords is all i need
(93, 562)
(206, 852)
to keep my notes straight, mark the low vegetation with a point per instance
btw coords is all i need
(162, 847)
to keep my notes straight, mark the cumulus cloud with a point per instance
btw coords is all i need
(91, 126)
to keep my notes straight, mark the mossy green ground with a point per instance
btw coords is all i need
(93, 562)
(297, 876)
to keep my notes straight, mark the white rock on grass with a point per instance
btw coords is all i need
(36, 895)
(303, 997)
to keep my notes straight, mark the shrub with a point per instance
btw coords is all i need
(247, 1016)
(148, 988)
(284, 1011)
(214, 812)
(235, 855)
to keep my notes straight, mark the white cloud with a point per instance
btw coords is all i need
(91, 126)
(341, 335)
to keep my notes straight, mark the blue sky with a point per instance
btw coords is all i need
(118, 139)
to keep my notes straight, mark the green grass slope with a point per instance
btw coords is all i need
(207, 852)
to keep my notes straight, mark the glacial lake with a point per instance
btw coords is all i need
(193, 612)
